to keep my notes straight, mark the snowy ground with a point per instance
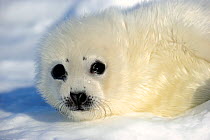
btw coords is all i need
(23, 113)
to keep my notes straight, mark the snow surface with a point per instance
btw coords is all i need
(24, 114)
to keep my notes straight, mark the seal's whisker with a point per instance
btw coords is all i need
(57, 105)
(103, 108)
(99, 110)
(62, 111)
(104, 103)
(110, 111)
(66, 110)
(93, 110)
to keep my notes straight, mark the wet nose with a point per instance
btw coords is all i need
(78, 98)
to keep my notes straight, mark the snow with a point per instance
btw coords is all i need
(24, 114)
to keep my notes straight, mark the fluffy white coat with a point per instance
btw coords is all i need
(157, 58)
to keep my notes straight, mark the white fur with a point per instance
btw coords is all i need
(157, 56)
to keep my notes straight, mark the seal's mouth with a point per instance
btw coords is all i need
(87, 105)
(94, 106)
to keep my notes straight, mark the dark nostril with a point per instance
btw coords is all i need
(78, 97)
(74, 97)
(83, 97)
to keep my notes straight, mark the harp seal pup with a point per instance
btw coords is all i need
(152, 58)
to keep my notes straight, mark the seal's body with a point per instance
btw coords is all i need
(153, 58)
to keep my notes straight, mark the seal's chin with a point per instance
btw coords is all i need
(92, 108)
(80, 108)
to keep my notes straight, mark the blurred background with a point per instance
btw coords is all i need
(24, 22)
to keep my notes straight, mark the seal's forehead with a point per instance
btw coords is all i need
(86, 36)
(90, 33)
(81, 37)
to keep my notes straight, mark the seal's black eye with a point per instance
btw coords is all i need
(58, 72)
(97, 67)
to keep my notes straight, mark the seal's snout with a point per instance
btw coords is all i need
(78, 98)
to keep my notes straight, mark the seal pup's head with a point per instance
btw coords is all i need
(83, 67)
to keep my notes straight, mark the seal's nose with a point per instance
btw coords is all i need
(78, 98)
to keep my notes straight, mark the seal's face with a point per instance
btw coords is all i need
(79, 83)
(80, 98)
(79, 73)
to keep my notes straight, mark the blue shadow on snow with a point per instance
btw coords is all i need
(28, 101)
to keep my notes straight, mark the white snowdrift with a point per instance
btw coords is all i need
(24, 115)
